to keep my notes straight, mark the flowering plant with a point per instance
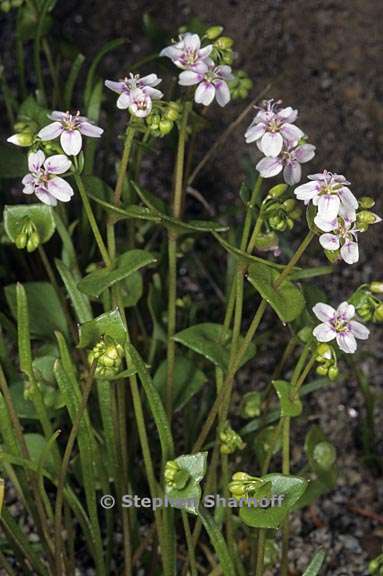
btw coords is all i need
(126, 378)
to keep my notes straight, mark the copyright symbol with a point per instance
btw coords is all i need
(107, 501)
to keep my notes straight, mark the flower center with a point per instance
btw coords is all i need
(340, 325)
(274, 125)
(190, 56)
(70, 122)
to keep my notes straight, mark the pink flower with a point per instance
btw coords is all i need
(272, 127)
(289, 160)
(136, 93)
(339, 324)
(212, 83)
(70, 128)
(43, 181)
(331, 194)
(187, 52)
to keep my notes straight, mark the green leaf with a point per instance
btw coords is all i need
(154, 401)
(37, 445)
(287, 300)
(218, 542)
(23, 330)
(244, 256)
(13, 163)
(320, 452)
(176, 224)
(30, 109)
(40, 214)
(96, 282)
(311, 272)
(289, 407)
(290, 487)
(45, 311)
(263, 442)
(131, 289)
(206, 339)
(72, 77)
(316, 564)
(131, 211)
(189, 497)
(188, 380)
(80, 302)
(90, 79)
(108, 324)
(23, 408)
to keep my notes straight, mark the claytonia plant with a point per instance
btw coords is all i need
(120, 360)
(339, 325)
(136, 93)
(43, 179)
(70, 128)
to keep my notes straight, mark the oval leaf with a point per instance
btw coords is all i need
(316, 564)
(108, 324)
(40, 214)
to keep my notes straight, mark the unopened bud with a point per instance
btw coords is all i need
(376, 287)
(251, 405)
(224, 42)
(277, 190)
(289, 204)
(213, 32)
(165, 126)
(321, 370)
(378, 314)
(33, 241)
(22, 139)
(21, 240)
(333, 373)
(366, 202)
(366, 217)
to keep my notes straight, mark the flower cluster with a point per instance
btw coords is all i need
(43, 178)
(136, 94)
(337, 215)
(280, 140)
(200, 69)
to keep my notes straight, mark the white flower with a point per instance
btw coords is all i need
(272, 127)
(43, 181)
(136, 93)
(331, 194)
(187, 52)
(69, 127)
(339, 324)
(289, 160)
(212, 83)
(341, 234)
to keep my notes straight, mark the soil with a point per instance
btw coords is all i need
(325, 58)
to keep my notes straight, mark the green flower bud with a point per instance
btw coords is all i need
(366, 202)
(376, 287)
(378, 314)
(296, 214)
(333, 373)
(33, 241)
(230, 440)
(277, 191)
(251, 405)
(223, 43)
(21, 240)
(166, 126)
(290, 223)
(321, 370)
(241, 476)
(22, 139)
(108, 355)
(175, 476)
(213, 32)
(366, 217)
(277, 222)
(324, 454)
(289, 204)
(227, 58)
(243, 485)
(324, 351)
(173, 111)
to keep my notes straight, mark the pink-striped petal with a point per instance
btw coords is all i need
(57, 164)
(329, 241)
(91, 130)
(272, 143)
(345, 311)
(36, 160)
(123, 101)
(60, 189)
(189, 78)
(269, 167)
(346, 342)
(350, 252)
(45, 197)
(222, 92)
(324, 333)
(292, 173)
(324, 312)
(51, 131)
(205, 93)
(359, 330)
(117, 87)
(71, 142)
(254, 132)
(328, 206)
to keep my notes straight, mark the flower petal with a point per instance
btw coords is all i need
(346, 342)
(306, 192)
(271, 143)
(205, 93)
(350, 252)
(328, 206)
(324, 312)
(123, 101)
(51, 131)
(115, 86)
(324, 333)
(29, 184)
(329, 241)
(326, 225)
(291, 133)
(71, 142)
(45, 197)
(60, 189)
(222, 92)
(192, 42)
(345, 311)
(189, 78)
(359, 330)
(36, 160)
(305, 153)
(89, 129)
(292, 173)
(269, 167)
(57, 164)
(152, 92)
(348, 198)
(254, 132)
(150, 80)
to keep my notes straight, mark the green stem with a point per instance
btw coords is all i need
(92, 220)
(295, 259)
(260, 551)
(189, 543)
(129, 137)
(172, 255)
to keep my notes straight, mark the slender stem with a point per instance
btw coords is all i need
(172, 256)
(295, 259)
(260, 551)
(189, 543)
(129, 137)
(92, 219)
(59, 552)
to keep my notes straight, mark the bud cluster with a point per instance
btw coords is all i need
(364, 218)
(222, 51)
(107, 354)
(241, 85)
(367, 305)
(243, 485)
(175, 476)
(230, 440)
(251, 405)
(28, 237)
(161, 121)
(327, 361)
(281, 216)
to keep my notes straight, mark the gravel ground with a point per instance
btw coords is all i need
(325, 58)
